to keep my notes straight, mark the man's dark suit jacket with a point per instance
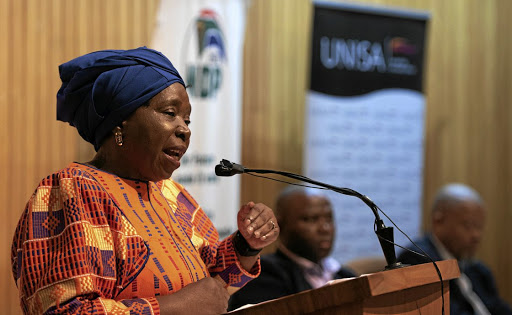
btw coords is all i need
(480, 276)
(279, 276)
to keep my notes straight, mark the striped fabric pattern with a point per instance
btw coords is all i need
(92, 242)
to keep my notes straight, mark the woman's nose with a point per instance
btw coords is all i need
(183, 132)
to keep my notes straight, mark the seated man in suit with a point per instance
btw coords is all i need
(458, 218)
(300, 263)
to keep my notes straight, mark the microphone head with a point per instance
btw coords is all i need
(226, 168)
(221, 170)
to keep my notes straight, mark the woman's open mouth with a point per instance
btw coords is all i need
(175, 153)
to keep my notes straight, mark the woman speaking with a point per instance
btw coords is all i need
(117, 235)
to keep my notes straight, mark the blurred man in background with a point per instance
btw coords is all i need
(458, 219)
(300, 263)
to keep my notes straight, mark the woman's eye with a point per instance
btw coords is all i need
(187, 122)
(172, 114)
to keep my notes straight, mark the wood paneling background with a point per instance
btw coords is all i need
(468, 87)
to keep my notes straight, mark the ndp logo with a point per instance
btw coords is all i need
(204, 55)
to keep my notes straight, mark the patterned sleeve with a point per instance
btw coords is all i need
(71, 253)
(219, 257)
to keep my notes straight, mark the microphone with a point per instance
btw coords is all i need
(226, 168)
(385, 234)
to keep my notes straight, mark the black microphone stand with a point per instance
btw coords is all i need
(385, 234)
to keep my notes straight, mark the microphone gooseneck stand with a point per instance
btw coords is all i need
(385, 234)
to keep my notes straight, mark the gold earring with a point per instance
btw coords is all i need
(118, 136)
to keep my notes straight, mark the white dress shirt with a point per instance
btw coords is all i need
(317, 275)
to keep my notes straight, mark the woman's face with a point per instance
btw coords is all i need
(156, 136)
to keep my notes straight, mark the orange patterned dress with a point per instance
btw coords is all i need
(92, 242)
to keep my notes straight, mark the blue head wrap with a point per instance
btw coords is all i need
(101, 89)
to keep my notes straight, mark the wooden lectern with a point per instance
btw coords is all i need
(407, 290)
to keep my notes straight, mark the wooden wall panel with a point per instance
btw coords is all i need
(7, 284)
(469, 95)
(36, 37)
(468, 129)
(275, 80)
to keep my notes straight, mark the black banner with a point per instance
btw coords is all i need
(354, 53)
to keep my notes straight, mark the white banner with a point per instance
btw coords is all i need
(374, 145)
(204, 41)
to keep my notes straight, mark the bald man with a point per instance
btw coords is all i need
(458, 219)
(301, 261)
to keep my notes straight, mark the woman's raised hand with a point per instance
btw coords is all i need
(257, 224)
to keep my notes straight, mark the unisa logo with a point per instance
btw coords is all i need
(204, 55)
